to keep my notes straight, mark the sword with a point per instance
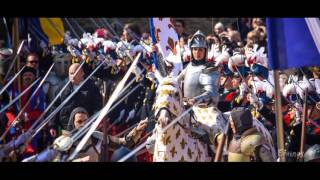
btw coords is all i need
(72, 29)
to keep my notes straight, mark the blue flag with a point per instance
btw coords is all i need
(154, 41)
(293, 42)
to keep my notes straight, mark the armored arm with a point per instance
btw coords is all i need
(209, 79)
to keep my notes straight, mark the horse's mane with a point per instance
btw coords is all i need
(168, 96)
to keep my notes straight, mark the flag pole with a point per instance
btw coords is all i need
(15, 41)
(279, 122)
(303, 127)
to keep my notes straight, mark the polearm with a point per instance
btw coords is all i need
(111, 28)
(72, 29)
(303, 127)
(94, 22)
(13, 61)
(134, 35)
(11, 80)
(126, 130)
(112, 107)
(26, 104)
(18, 97)
(44, 122)
(105, 108)
(79, 27)
(7, 31)
(117, 37)
(55, 99)
(86, 126)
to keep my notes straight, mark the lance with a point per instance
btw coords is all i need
(13, 61)
(11, 80)
(55, 99)
(86, 127)
(72, 29)
(111, 28)
(79, 27)
(65, 101)
(126, 130)
(7, 31)
(120, 102)
(105, 108)
(115, 34)
(26, 104)
(18, 97)
(94, 22)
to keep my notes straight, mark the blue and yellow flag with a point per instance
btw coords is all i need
(49, 30)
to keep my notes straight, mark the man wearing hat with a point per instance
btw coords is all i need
(32, 111)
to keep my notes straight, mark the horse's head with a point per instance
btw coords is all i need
(168, 102)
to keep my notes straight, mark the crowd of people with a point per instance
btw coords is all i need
(227, 69)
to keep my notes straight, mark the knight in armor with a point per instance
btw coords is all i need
(58, 76)
(247, 144)
(200, 78)
(201, 84)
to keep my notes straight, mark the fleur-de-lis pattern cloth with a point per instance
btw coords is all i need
(175, 145)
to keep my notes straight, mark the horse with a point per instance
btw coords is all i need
(176, 143)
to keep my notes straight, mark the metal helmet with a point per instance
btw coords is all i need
(198, 40)
(63, 61)
(312, 154)
(5, 57)
(120, 153)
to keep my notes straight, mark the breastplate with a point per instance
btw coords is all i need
(192, 86)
